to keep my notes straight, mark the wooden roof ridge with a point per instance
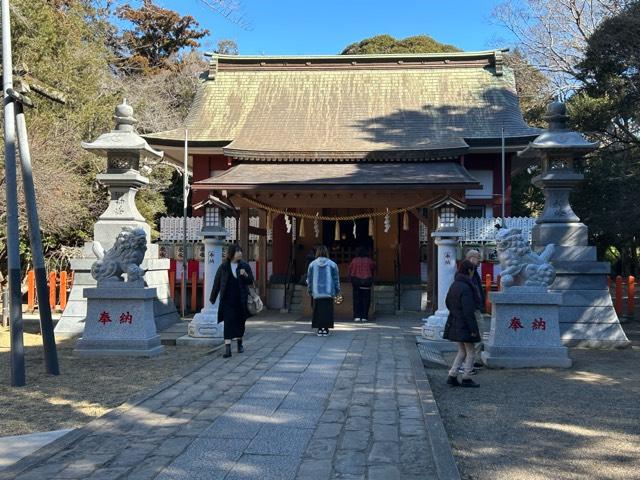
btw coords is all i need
(481, 58)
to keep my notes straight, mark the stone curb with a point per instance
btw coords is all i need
(445, 463)
(46, 452)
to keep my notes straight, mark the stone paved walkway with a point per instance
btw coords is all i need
(293, 406)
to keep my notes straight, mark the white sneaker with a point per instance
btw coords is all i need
(356, 319)
(363, 320)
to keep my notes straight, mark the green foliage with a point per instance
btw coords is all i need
(607, 107)
(604, 202)
(72, 47)
(527, 200)
(61, 45)
(156, 36)
(388, 44)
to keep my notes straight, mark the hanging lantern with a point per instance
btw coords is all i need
(287, 222)
(301, 231)
(371, 226)
(269, 220)
(405, 221)
(354, 230)
(316, 226)
(336, 235)
(387, 222)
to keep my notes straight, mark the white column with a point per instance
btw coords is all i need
(205, 323)
(447, 252)
(447, 243)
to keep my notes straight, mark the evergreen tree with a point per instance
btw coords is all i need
(388, 44)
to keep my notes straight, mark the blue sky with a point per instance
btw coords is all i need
(326, 27)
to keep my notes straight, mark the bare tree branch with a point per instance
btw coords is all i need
(231, 10)
(552, 34)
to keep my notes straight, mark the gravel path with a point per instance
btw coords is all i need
(580, 423)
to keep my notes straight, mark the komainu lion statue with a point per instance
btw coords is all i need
(520, 266)
(125, 256)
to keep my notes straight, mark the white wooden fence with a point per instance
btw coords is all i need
(474, 230)
(483, 230)
(171, 228)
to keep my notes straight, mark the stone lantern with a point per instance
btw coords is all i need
(204, 329)
(446, 237)
(587, 316)
(125, 151)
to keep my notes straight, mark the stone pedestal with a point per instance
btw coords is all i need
(447, 242)
(525, 330)
(204, 330)
(122, 210)
(71, 322)
(119, 321)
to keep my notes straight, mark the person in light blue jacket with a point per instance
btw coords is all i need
(323, 280)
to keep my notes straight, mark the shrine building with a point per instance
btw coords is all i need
(348, 151)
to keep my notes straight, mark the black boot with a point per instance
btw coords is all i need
(468, 383)
(240, 347)
(227, 350)
(453, 381)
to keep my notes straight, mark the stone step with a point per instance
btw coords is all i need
(580, 282)
(602, 268)
(574, 253)
(385, 295)
(584, 298)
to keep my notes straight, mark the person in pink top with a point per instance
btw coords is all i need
(361, 272)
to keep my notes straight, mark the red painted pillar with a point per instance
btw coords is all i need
(63, 290)
(31, 291)
(172, 283)
(631, 296)
(194, 291)
(619, 295)
(410, 248)
(281, 246)
(53, 279)
(487, 293)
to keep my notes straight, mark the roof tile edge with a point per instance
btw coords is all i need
(408, 60)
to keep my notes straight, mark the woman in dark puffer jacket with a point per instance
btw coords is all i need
(461, 326)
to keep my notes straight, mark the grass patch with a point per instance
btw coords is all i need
(85, 389)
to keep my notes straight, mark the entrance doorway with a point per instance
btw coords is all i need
(344, 249)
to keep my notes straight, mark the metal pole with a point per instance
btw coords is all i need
(504, 193)
(44, 309)
(185, 200)
(13, 238)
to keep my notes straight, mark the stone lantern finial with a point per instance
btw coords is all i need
(124, 118)
(557, 116)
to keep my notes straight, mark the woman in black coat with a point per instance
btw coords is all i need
(232, 284)
(461, 326)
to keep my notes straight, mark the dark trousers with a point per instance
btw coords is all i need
(361, 302)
